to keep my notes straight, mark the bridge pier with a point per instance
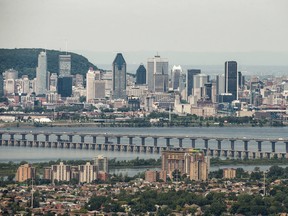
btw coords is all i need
(259, 142)
(130, 140)
(155, 141)
(111, 147)
(12, 136)
(232, 153)
(245, 145)
(47, 137)
(35, 137)
(232, 144)
(167, 141)
(94, 139)
(193, 142)
(219, 143)
(58, 137)
(143, 140)
(70, 138)
(286, 145)
(118, 140)
(206, 143)
(273, 145)
(180, 142)
(82, 138)
(23, 136)
(106, 139)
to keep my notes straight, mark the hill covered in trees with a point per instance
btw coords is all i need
(25, 61)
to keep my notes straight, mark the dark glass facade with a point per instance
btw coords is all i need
(64, 86)
(231, 79)
(190, 80)
(141, 75)
(119, 77)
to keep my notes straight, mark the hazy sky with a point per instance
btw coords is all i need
(146, 25)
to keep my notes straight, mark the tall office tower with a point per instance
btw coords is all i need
(241, 80)
(176, 75)
(10, 81)
(220, 84)
(53, 82)
(99, 89)
(25, 84)
(190, 80)
(231, 79)
(61, 172)
(141, 75)
(24, 172)
(1, 85)
(64, 86)
(102, 163)
(91, 77)
(64, 65)
(199, 81)
(157, 74)
(87, 173)
(207, 91)
(78, 80)
(41, 74)
(191, 162)
(119, 77)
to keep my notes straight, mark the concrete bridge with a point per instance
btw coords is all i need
(74, 140)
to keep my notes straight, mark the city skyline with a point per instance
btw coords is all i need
(245, 31)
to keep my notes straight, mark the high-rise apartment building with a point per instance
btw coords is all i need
(64, 65)
(176, 77)
(141, 75)
(1, 85)
(119, 77)
(41, 74)
(102, 163)
(25, 85)
(191, 162)
(157, 74)
(61, 172)
(190, 80)
(231, 79)
(87, 173)
(24, 172)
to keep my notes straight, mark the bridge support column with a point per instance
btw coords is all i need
(155, 141)
(167, 141)
(47, 137)
(143, 141)
(232, 144)
(11, 136)
(106, 139)
(94, 139)
(273, 145)
(70, 137)
(219, 144)
(286, 145)
(245, 145)
(82, 138)
(259, 145)
(193, 142)
(118, 140)
(23, 136)
(180, 142)
(35, 137)
(58, 137)
(206, 143)
(130, 140)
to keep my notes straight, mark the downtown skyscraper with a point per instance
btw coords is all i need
(157, 74)
(231, 79)
(119, 77)
(41, 74)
